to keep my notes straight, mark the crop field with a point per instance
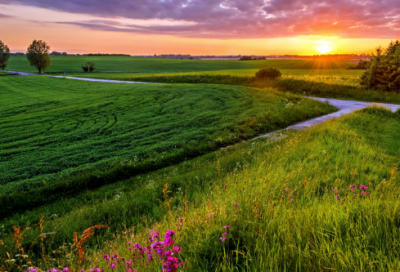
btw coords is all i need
(127, 65)
(53, 128)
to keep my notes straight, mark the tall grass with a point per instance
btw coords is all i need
(282, 207)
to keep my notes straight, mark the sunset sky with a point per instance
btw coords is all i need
(201, 26)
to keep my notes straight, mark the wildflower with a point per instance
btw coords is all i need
(222, 239)
(292, 200)
(168, 238)
(113, 266)
(287, 190)
(236, 205)
(227, 228)
(181, 220)
(129, 243)
(343, 200)
(153, 236)
(337, 197)
(176, 249)
(353, 187)
(158, 247)
(169, 233)
(288, 195)
(106, 257)
(115, 256)
(170, 265)
(66, 269)
(363, 187)
(225, 234)
(128, 264)
(335, 191)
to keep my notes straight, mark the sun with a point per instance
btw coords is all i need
(323, 49)
(324, 46)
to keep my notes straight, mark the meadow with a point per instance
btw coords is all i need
(322, 78)
(128, 65)
(60, 137)
(147, 159)
(325, 198)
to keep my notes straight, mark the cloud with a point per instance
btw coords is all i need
(231, 19)
(5, 16)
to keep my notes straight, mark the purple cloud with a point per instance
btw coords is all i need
(228, 19)
(5, 16)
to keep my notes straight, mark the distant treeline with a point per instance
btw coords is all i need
(105, 55)
(252, 58)
(55, 53)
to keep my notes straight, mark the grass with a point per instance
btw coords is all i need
(247, 187)
(329, 79)
(113, 65)
(287, 199)
(60, 141)
(342, 87)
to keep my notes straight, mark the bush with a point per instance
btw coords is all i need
(89, 67)
(246, 58)
(268, 73)
(362, 65)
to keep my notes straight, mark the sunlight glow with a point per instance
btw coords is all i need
(323, 49)
(324, 46)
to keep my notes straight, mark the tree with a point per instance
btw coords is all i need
(89, 67)
(268, 73)
(38, 55)
(383, 71)
(4, 55)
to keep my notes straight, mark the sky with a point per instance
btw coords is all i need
(207, 27)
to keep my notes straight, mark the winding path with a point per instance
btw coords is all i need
(77, 78)
(344, 106)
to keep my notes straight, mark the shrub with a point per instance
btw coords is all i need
(246, 58)
(268, 73)
(89, 67)
(362, 65)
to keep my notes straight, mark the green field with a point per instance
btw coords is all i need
(55, 128)
(242, 187)
(127, 65)
(138, 157)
